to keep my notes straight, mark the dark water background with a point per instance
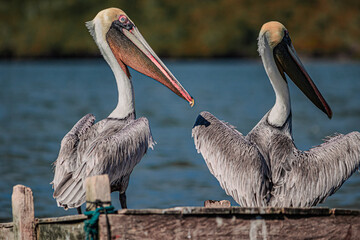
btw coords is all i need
(41, 100)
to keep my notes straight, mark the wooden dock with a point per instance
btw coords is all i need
(186, 223)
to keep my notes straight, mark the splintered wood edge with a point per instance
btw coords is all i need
(6, 225)
(217, 204)
(71, 218)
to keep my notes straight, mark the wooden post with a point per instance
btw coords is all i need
(23, 213)
(97, 188)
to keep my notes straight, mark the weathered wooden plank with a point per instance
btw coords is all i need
(339, 211)
(67, 227)
(59, 231)
(238, 223)
(207, 223)
(64, 219)
(242, 210)
(97, 188)
(23, 213)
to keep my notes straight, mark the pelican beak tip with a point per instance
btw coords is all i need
(192, 102)
(330, 114)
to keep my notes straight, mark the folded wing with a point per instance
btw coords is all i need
(114, 152)
(68, 156)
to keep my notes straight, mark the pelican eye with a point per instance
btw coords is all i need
(286, 36)
(286, 33)
(123, 19)
(125, 22)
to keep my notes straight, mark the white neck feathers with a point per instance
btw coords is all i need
(281, 110)
(126, 101)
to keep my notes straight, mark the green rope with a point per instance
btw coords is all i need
(91, 225)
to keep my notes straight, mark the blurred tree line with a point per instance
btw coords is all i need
(186, 28)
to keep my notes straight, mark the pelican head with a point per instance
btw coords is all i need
(275, 36)
(115, 33)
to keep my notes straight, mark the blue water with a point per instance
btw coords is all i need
(41, 100)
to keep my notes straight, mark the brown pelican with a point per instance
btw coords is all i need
(265, 168)
(116, 144)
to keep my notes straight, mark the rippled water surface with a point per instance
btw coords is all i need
(41, 100)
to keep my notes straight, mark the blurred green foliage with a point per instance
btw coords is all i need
(186, 28)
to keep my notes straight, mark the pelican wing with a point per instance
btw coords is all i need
(236, 163)
(309, 177)
(67, 158)
(115, 152)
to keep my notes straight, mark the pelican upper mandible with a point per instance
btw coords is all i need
(116, 144)
(265, 168)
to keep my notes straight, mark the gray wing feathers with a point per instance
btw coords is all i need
(118, 154)
(309, 177)
(115, 152)
(67, 157)
(70, 194)
(237, 164)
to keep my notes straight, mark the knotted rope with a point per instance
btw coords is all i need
(91, 225)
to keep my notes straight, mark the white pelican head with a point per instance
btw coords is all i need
(115, 33)
(275, 36)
